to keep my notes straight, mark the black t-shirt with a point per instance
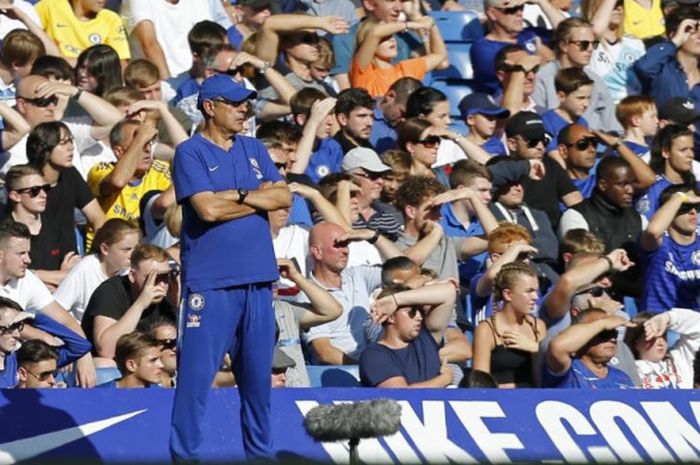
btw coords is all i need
(112, 299)
(347, 145)
(57, 236)
(546, 194)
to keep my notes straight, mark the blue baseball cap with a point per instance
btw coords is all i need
(479, 102)
(222, 86)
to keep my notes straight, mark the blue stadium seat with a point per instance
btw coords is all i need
(334, 376)
(458, 125)
(456, 90)
(460, 63)
(458, 26)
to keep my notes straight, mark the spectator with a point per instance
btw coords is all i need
(506, 344)
(433, 105)
(50, 151)
(577, 241)
(525, 139)
(368, 172)
(295, 36)
(341, 341)
(660, 366)
(318, 154)
(618, 50)
(122, 303)
(20, 49)
(143, 75)
(98, 70)
(78, 24)
(138, 358)
(574, 89)
(644, 20)
(672, 161)
(37, 364)
(251, 14)
(669, 68)
(479, 380)
(505, 24)
(516, 71)
(27, 198)
(164, 331)
(12, 323)
(482, 116)
(37, 100)
(388, 11)
(390, 111)
(111, 251)
(294, 318)
(400, 164)
(353, 110)
(579, 356)
(321, 68)
(574, 44)
(407, 355)
(159, 32)
(376, 47)
(669, 246)
(120, 186)
(638, 116)
(416, 137)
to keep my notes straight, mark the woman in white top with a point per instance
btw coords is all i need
(111, 247)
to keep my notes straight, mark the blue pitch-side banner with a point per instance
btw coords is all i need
(438, 426)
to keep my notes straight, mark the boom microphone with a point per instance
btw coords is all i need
(355, 421)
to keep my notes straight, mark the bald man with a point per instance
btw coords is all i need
(341, 341)
(40, 101)
(610, 215)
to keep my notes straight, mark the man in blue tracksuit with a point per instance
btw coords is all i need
(226, 183)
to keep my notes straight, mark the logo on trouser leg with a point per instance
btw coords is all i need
(193, 321)
(196, 301)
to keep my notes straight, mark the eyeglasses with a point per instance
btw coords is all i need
(532, 143)
(429, 142)
(229, 72)
(12, 328)
(44, 375)
(687, 208)
(42, 102)
(585, 44)
(167, 344)
(596, 291)
(231, 103)
(519, 68)
(413, 311)
(584, 144)
(369, 175)
(511, 10)
(606, 335)
(33, 191)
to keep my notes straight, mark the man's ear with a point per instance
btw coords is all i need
(131, 365)
(390, 97)
(14, 196)
(342, 119)
(300, 119)
(410, 212)
(561, 96)
(563, 151)
(511, 144)
(22, 373)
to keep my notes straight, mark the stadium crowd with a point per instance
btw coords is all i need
(525, 217)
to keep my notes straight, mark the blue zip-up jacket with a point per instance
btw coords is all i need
(661, 74)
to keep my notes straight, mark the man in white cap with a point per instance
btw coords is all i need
(368, 171)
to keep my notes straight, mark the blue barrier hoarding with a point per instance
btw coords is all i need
(438, 426)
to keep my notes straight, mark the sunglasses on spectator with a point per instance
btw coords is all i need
(596, 291)
(42, 102)
(532, 143)
(44, 375)
(606, 335)
(369, 175)
(231, 103)
(520, 68)
(511, 10)
(229, 72)
(584, 144)
(687, 208)
(585, 44)
(413, 311)
(309, 38)
(167, 344)
(429, 142)
(33, 191)
(12, 328)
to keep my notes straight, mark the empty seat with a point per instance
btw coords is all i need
(458, 26)
(460, 63)
(455, 90)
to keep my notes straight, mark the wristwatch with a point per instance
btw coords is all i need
(242, 194)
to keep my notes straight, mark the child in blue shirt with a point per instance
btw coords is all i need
(482, 115)
(638, 116)
(574, 89)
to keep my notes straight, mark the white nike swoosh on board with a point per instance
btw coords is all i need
(27, 448)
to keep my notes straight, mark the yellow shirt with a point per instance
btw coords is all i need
(643, 23)
(125, 204)
(73, 36)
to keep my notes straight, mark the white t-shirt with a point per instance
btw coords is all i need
(292, 242)
(7, 24)
(448, 153)
(171, 22)
(79, 284)
(29, 292)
